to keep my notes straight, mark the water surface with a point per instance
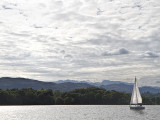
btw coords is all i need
(78, 112)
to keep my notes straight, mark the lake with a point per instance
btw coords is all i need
(78, 112)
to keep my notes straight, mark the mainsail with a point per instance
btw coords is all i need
(136, 96)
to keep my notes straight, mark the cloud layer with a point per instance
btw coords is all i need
(80, 39)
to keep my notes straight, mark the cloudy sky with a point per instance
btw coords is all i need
(91, 40)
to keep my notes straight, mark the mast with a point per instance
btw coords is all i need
(136, 89)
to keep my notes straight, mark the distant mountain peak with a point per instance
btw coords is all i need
(68, 85)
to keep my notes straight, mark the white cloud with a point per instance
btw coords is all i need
(58, 39)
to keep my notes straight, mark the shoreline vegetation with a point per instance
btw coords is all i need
(83, 96)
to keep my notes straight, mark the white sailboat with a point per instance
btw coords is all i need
(136, 99)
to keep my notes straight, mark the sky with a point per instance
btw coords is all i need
(90, 40)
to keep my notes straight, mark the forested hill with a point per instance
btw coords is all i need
(84, 96)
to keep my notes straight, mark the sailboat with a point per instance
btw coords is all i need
(136, 99)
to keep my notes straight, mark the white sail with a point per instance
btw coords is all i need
(136, 96)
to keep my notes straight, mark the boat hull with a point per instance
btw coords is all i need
(137, 107)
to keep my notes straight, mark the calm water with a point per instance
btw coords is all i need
(78, 112)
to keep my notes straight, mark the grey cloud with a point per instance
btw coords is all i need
(112, 41)
(123, 51)
(21, 63)
(42, 5)
(120, 51)
(20, 34)
(39, 70)
(5, 7)
(80, 63)
(37, 26)
(107, 38)
(152, 80)
(150, 54)
(99, 11)
(137, 5)
(62, 51)
(68, 56)
(71, 16)
(17, 55)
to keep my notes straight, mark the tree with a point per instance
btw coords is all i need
(59, 101)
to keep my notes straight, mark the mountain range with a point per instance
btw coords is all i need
(68, 85)
(11, 83)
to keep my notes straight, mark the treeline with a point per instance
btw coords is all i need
(84, 96)
(151, 99)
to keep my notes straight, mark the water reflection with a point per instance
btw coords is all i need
(138, 111)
